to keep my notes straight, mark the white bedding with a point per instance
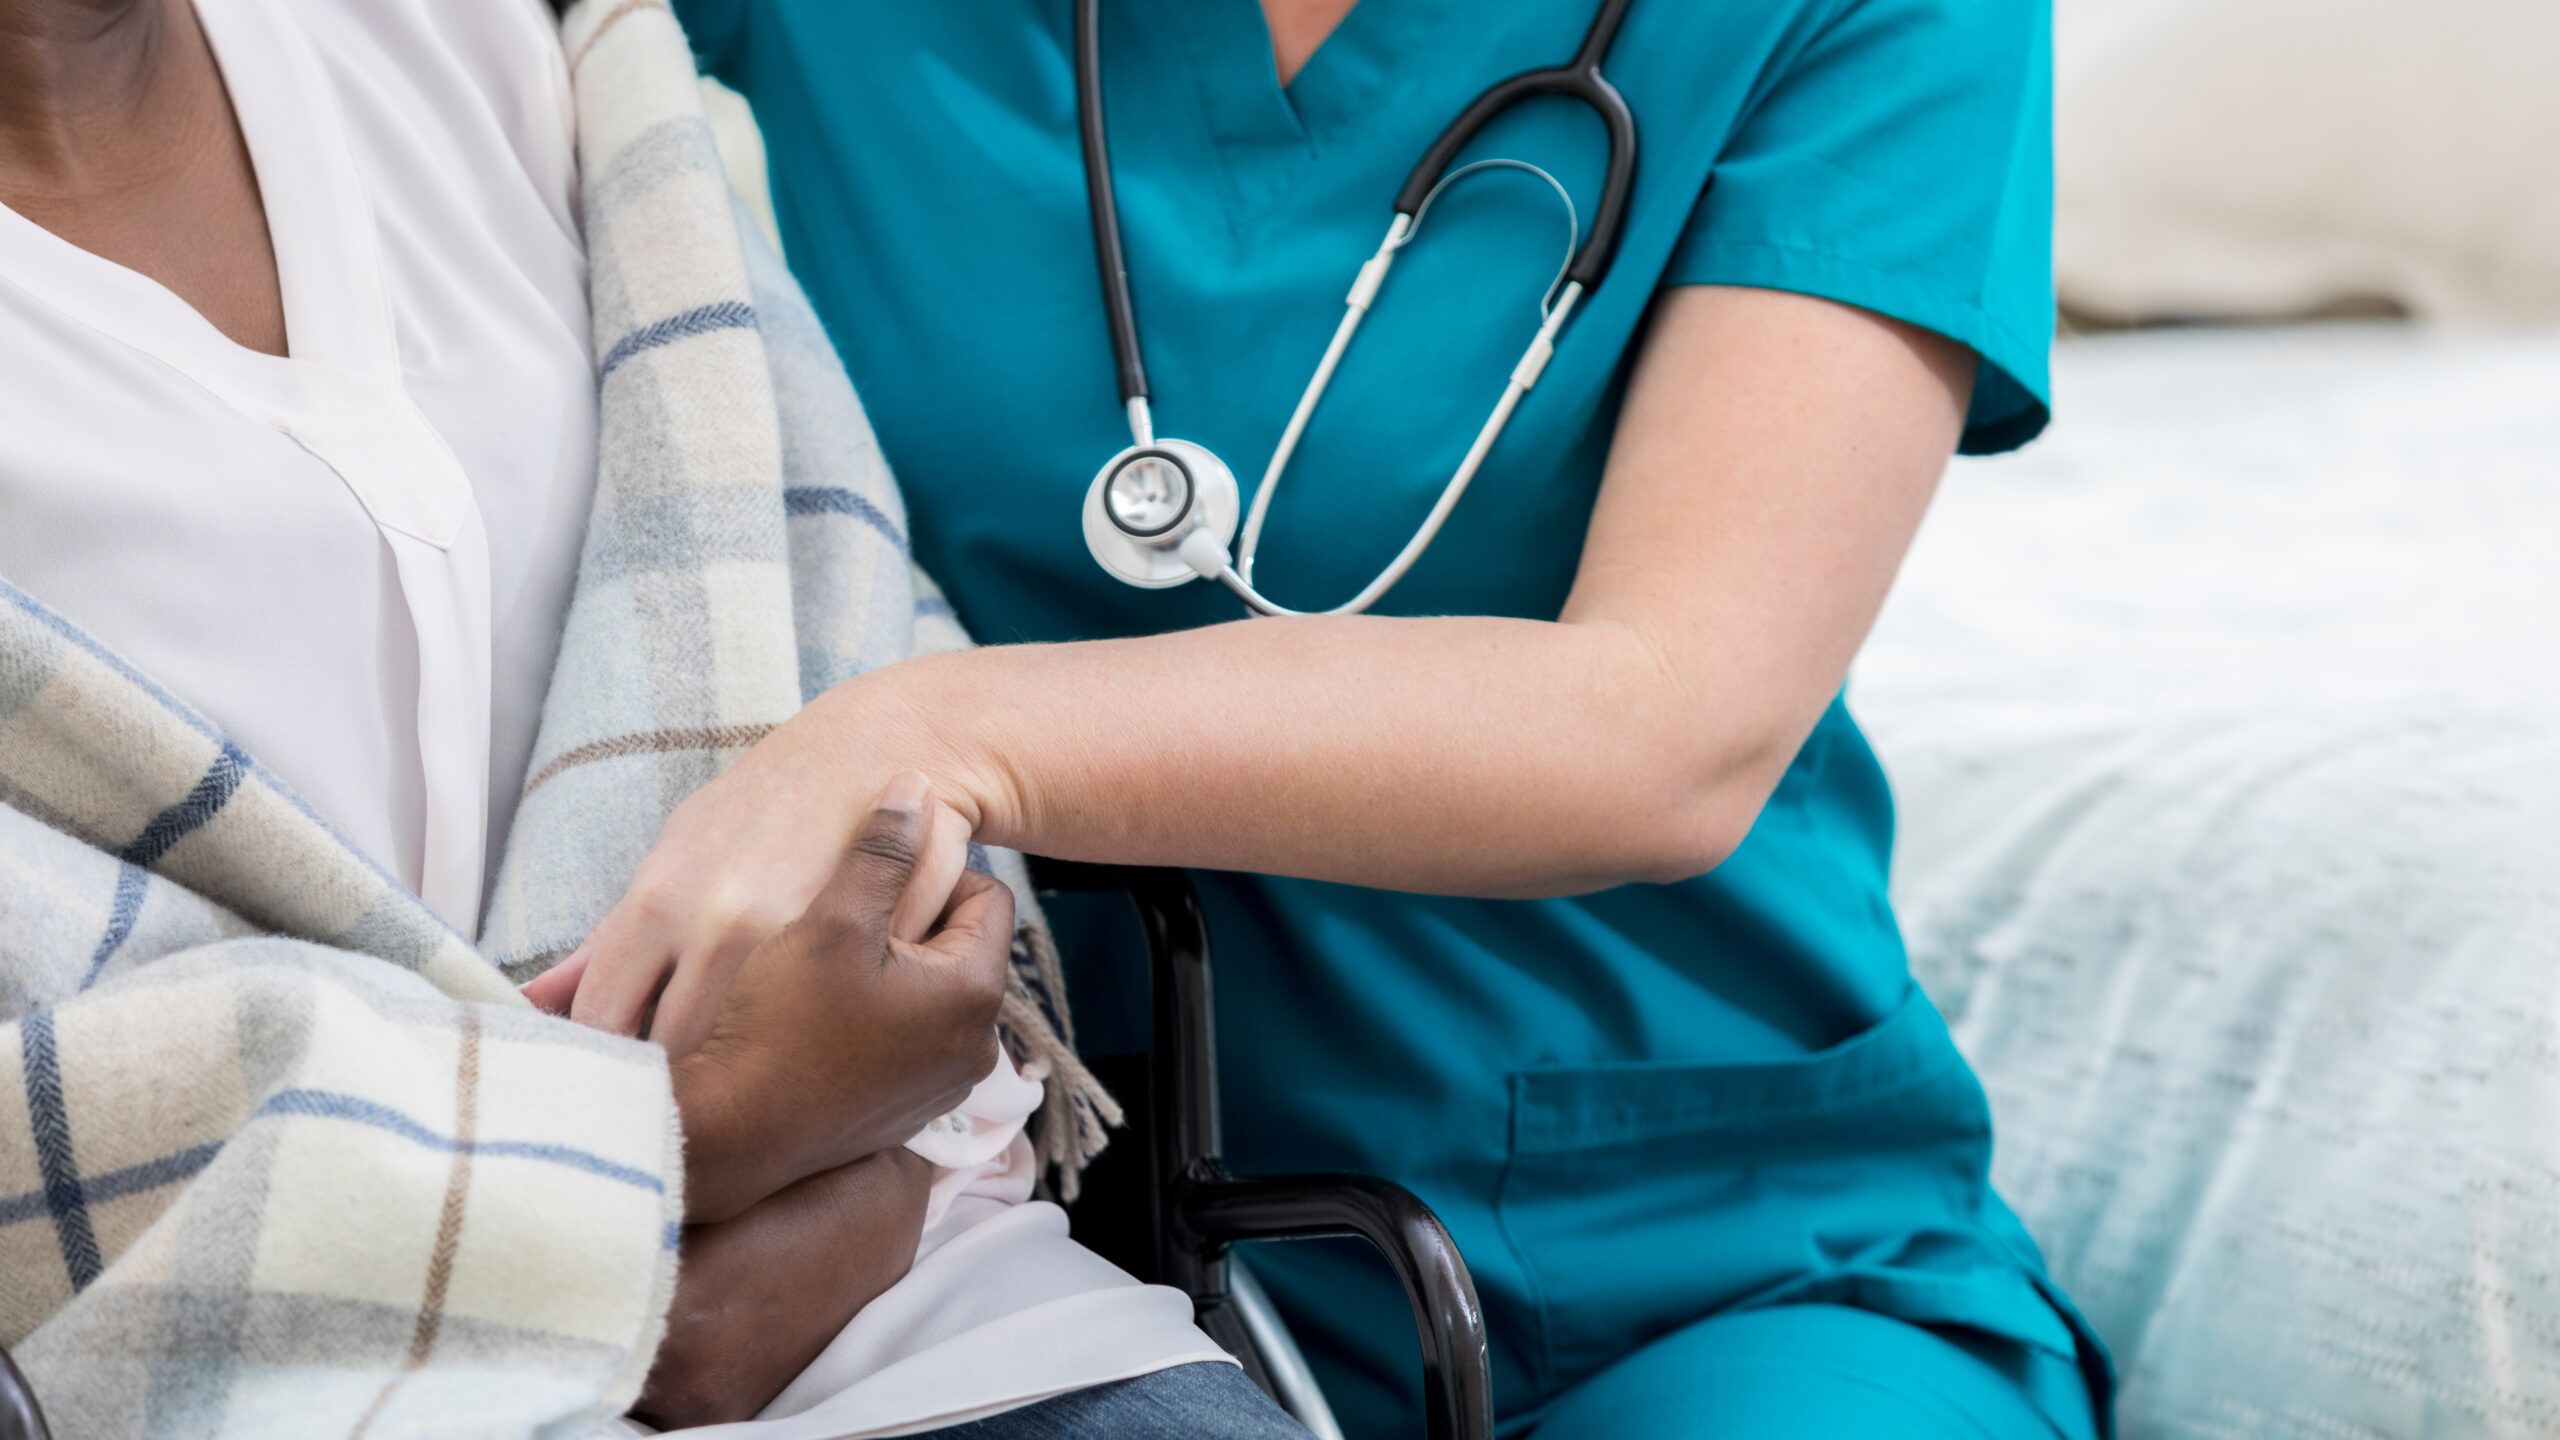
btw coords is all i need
(2226, 727)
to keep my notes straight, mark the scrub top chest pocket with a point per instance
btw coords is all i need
(1852, 1175)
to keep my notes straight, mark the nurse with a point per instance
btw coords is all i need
(1554, 885)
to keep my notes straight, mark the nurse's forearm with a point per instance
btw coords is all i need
(1481, 756)
(1774, 455)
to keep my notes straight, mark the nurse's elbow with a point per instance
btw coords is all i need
(1698, 810)
(1678, 781)
(1696, 838)
(1660, 835)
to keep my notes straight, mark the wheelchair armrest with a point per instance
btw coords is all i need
(1198, 1210)
(1214, 1210)
(20, 1419)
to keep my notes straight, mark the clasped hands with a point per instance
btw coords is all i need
(830, 1029)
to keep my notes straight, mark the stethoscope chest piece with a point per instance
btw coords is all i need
(1147, 500)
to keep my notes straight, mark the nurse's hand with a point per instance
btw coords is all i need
(838, 1038)
(743, 857)
(758, 1297)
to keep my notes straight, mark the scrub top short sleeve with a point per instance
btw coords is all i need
(1869, 173)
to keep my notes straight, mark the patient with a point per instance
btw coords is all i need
(298, 415)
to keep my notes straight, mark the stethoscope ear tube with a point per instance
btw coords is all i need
(1102, 205)
(1579, 79)
(1609, 221)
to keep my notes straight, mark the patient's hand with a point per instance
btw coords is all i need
(836, 1038)
(759, 1296)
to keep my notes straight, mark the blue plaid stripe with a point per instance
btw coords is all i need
(131, 881)
(64, 1199)
(336, 1105)
(702, 320)
(116, 1184)
(836, 500)
(212, 791)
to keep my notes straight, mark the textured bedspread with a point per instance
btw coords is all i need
(2226, 725)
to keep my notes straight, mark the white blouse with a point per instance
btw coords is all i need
(356, 559)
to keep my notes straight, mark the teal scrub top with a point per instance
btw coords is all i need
(1633, 1108)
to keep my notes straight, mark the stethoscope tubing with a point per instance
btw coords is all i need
(1577, 79)
(1585, 267)
(1102, 206)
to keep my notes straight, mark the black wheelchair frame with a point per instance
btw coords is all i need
(1192, 1208)
(1196, 1211)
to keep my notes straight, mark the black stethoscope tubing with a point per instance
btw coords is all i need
(1578, 78)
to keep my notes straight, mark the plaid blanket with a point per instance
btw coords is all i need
(280, 1154)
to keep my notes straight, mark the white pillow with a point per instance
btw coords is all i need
(2242, 158)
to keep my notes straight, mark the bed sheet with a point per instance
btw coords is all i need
(2226, 730)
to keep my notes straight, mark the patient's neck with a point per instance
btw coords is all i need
(87, 92)
(117, 135)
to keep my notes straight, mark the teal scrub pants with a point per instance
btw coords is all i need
(1797, 1372)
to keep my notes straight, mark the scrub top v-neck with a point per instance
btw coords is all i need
(296, 544)
(1635, 1109)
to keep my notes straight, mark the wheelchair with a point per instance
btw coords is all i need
(1162, 1206)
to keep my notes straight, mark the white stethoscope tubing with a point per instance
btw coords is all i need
(1553, 307)
(1237, 575)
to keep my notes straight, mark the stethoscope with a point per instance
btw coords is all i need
(1164, 511)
